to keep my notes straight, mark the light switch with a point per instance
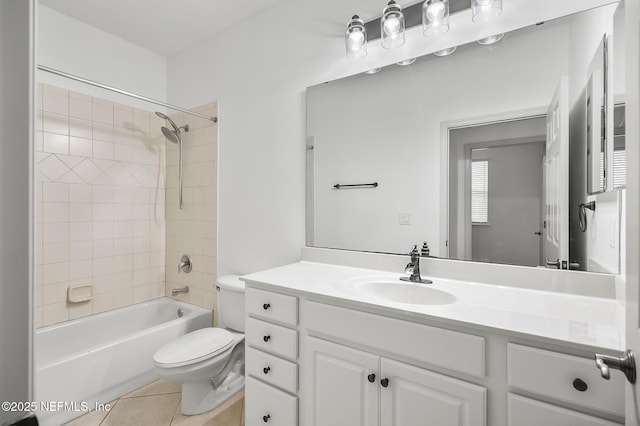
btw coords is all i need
(404, 219)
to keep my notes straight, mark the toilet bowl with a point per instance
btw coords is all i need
(209, 362)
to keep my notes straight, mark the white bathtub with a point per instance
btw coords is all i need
(96, 359)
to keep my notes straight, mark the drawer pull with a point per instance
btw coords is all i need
(266, 418)
(266, 338)
(266, 306)
(580, 385)
(371, 377)
(384, 382)
(266, 370)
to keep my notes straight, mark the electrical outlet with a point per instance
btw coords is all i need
(404, 219)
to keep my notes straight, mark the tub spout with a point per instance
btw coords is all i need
(177, 291)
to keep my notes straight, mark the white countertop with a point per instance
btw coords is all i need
(583, 320)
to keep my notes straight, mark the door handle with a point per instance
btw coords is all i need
(555, 263)
(626, 364)
(538, 233)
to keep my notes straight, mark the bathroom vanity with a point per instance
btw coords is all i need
(338, 345)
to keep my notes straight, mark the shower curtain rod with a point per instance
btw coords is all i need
(123, 92)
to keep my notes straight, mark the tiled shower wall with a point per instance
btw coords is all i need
(100, 204)
(193, 229)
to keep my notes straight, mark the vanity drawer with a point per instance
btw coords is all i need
(273, 370)
(272, 306)
(272, 338)
(529, 412)
(460, 352)
(559, 376)
(267, 405)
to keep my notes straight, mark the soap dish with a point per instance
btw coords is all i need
(80, 293)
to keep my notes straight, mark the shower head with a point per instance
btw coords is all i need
(172, 135)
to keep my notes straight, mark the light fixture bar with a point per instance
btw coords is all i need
(413, 17)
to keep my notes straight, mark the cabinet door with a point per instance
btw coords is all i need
(338, 387)
(417, 397)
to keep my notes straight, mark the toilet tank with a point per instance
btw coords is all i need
(231, 302)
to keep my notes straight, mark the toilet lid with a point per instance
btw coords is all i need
(193, 347)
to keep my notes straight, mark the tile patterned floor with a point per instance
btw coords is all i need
(158, 404)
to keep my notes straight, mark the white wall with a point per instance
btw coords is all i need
(74, 47)
(258, 71)
(17, 21)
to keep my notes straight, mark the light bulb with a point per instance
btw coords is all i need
(355, 39)
(392, 26)
(435, 12)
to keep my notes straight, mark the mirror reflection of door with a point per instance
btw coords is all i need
(496, 169)
(557, 174)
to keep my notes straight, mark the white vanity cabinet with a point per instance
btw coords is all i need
(271, 358)
(315, 360)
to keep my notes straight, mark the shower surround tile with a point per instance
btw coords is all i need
(94, 195)
(193, 229)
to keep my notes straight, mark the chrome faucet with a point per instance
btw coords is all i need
(413, 268)
(177, 291)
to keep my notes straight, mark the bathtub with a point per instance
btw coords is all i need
(96, 359)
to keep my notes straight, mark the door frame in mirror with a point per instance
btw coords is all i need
(448, 125)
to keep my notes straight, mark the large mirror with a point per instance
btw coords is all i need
(482, 154)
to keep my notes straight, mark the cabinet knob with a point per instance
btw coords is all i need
(371, 377)
(384, 382)
(266, 338)
(580, 385)
(266, 418)
(266, 306)
(266, 370)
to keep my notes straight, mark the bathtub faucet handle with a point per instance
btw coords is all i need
(186, 264)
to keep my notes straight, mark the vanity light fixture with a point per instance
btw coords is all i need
(392, 25)
(485, 10)
(435, 17)
(445, 52)
(406, 62)
(356, 38)
(491, 39)
(432, 14)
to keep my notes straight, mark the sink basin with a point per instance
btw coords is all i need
(403, 292)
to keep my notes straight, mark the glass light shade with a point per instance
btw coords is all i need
(355, 38)
(406, 62)
(445, 52)
(392, 26)
(435, 17)
(491, 39)
(485, 10)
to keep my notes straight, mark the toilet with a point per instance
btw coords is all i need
(209, 362)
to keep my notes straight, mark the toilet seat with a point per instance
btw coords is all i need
(194, 347)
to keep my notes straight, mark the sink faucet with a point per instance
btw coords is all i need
(413, 268)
